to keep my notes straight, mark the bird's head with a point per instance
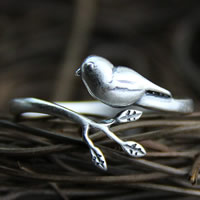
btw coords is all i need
(95, 70)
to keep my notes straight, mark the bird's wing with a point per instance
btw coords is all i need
(126, 78)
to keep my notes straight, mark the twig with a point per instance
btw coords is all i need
(193, 174)
(156, 145)
(152, 165)
(187, 154)
(147, 123)
(152, 135)
(168, 188)
(58, 191)
(41, 132)
(33, 151)
(125, 179)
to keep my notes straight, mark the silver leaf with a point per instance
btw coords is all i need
(134, 149)
(128, 116)
(98, 158)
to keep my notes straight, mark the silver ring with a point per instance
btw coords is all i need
(119, 89)
(122, 87)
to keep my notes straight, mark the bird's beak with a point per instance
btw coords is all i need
(78, 72)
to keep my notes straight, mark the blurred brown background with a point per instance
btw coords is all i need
(42, 43)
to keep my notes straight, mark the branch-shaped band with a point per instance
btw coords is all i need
(23, 105)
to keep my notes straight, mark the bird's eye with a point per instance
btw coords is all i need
(90, 65)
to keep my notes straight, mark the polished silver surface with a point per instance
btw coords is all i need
(90, 108)
(23, 105)
(121, 87)
(117, 87)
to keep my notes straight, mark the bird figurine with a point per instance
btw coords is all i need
(122, 87)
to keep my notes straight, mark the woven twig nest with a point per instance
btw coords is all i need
(46, 159)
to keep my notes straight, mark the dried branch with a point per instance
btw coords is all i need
(82, 25)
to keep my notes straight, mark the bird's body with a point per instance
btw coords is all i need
(121, 91)
(116, 86)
